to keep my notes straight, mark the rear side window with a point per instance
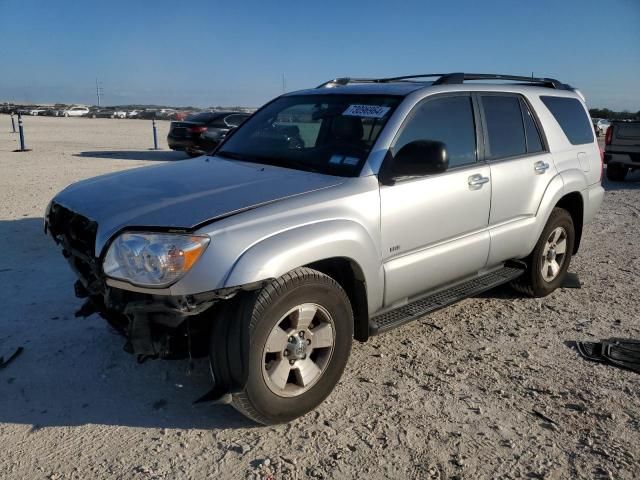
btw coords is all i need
(448, 120)
(504, 124)
(571, 116)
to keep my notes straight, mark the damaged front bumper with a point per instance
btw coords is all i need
(159, 326)
(155, 323)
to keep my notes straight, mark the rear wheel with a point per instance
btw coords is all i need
(548, 263)
(301, 331)
(616, 172)
(193, 153)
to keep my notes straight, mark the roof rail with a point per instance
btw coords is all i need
(450, 79)
(338, 82)
(457, 78)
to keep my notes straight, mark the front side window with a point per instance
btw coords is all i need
(505, 129)
(445, 119)
(572, 117)
(328, 133)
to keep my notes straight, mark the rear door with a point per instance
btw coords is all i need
(434, 228)
(521, 169)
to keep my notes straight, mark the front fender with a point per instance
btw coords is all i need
(278, 254)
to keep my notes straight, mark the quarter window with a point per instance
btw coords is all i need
(448, 120)
(572, 117)
(505, 129)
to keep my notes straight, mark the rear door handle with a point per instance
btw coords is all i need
(540, 167)
(476, 181)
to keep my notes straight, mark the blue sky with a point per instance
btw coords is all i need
(209, 53)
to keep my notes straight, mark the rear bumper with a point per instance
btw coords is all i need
(630, 159)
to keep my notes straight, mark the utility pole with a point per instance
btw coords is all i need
(99, 91)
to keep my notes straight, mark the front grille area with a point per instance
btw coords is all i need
(77, 236)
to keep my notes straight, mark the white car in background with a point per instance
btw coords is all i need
(75, 112)
(120, 114)
(601, 126)
(37, 111)
(133, 113)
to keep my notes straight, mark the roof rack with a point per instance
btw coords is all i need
(451, 79)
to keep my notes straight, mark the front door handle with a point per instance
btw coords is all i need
(476, 181)
(540, 167)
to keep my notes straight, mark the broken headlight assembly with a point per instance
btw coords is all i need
(153, 259)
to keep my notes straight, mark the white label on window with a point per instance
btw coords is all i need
(336, 159)
(350, 161)
(366, 111)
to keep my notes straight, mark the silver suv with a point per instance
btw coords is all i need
(334, 213)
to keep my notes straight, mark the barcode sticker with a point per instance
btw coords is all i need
(366, 111)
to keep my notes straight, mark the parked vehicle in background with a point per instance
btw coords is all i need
(202, 132)
(334, 213)
(119, 113)
(165, 114)
(97, 112)
(75, 112)
(37, 111)
(622, 149)
(179, 116)
(133, 113)
(52, 112)
(148, 114)
(601, 126)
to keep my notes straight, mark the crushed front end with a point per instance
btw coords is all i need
(159, 326)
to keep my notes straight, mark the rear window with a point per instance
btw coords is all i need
(204, 117)
(571, 116)
(628, 131)
(235, 120)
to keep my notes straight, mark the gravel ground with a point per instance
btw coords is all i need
(451, 396)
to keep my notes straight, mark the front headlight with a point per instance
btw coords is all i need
(153, 259)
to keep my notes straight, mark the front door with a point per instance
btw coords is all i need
(434, 228)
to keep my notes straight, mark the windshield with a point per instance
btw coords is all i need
(331, 134)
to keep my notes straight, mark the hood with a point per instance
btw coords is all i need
(184, 194)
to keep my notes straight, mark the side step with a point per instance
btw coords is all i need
(442, 298)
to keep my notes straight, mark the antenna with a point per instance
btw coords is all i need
(99, 90)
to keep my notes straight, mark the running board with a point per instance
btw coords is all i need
(443, 298)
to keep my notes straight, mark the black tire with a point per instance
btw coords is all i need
(532, 283)
(193, 154)
(303, 285)
(616, 172)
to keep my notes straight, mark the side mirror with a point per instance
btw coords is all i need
(421, 157)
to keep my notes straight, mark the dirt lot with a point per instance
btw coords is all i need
(450, 396)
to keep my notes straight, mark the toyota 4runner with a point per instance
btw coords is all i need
(334, 213)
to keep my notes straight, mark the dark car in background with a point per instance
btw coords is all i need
(101, 113)
(201, 132)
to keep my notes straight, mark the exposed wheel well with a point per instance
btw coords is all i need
(573, 203)
(350, 277)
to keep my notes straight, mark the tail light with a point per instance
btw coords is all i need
(602, 162)
(197, 129)
(608, 135)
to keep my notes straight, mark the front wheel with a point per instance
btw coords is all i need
(301, 331)
(548, 263)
